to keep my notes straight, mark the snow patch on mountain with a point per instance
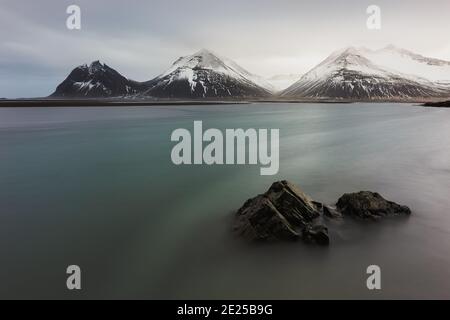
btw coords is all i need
(407, 62)
(205, 74)
(207, 60)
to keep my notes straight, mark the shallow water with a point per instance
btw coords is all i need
(96, 187)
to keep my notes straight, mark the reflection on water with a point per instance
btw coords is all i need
(95, 187)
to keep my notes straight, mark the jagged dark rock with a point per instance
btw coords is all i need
(327, 211)
(298, 208)
(369, 205)
(259, 219)
(279, 214)
(316, 234)
(331, 212)
(284, 212)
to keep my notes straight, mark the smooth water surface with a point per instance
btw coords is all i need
(96, 187)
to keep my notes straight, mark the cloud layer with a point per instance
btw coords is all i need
(142, 38)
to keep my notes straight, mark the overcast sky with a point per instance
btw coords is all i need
(140, 39)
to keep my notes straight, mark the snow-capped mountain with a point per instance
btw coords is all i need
(360, 73)
(352, 73)
(282, 81)
(206, 75)
(97, 80)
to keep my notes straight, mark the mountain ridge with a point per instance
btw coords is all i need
(354, 73)
(200, 75)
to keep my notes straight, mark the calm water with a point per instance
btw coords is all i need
(95, 187)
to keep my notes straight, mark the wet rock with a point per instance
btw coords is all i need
(278, 214)
(316, 234)
(259, 219)
(369, 205)
(292, 202)
(284, 212)
(327, 211)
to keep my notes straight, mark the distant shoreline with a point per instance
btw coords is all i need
(43, 102)
(439, 104)
(18, 103)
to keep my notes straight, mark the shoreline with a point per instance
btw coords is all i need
(43, 102)
(21, 103)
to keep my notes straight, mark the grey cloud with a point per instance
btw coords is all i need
(142, 38)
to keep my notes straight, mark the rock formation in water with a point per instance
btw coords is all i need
(369, 205)
(285, 212)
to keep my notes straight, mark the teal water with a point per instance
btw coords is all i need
(96, 187)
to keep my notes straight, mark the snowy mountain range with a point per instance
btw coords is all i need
(351, 73)
(361, 73)
(201, 75)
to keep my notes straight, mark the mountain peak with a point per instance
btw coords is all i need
(202, 59)
(350, 50)
(345, 55)
(97, 66)
(95, 80)
(367, 74)
(394, 49)
(205, 74)
(96, 63)
(204, 52)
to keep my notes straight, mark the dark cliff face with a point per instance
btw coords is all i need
(96, 81)
(354, 85)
